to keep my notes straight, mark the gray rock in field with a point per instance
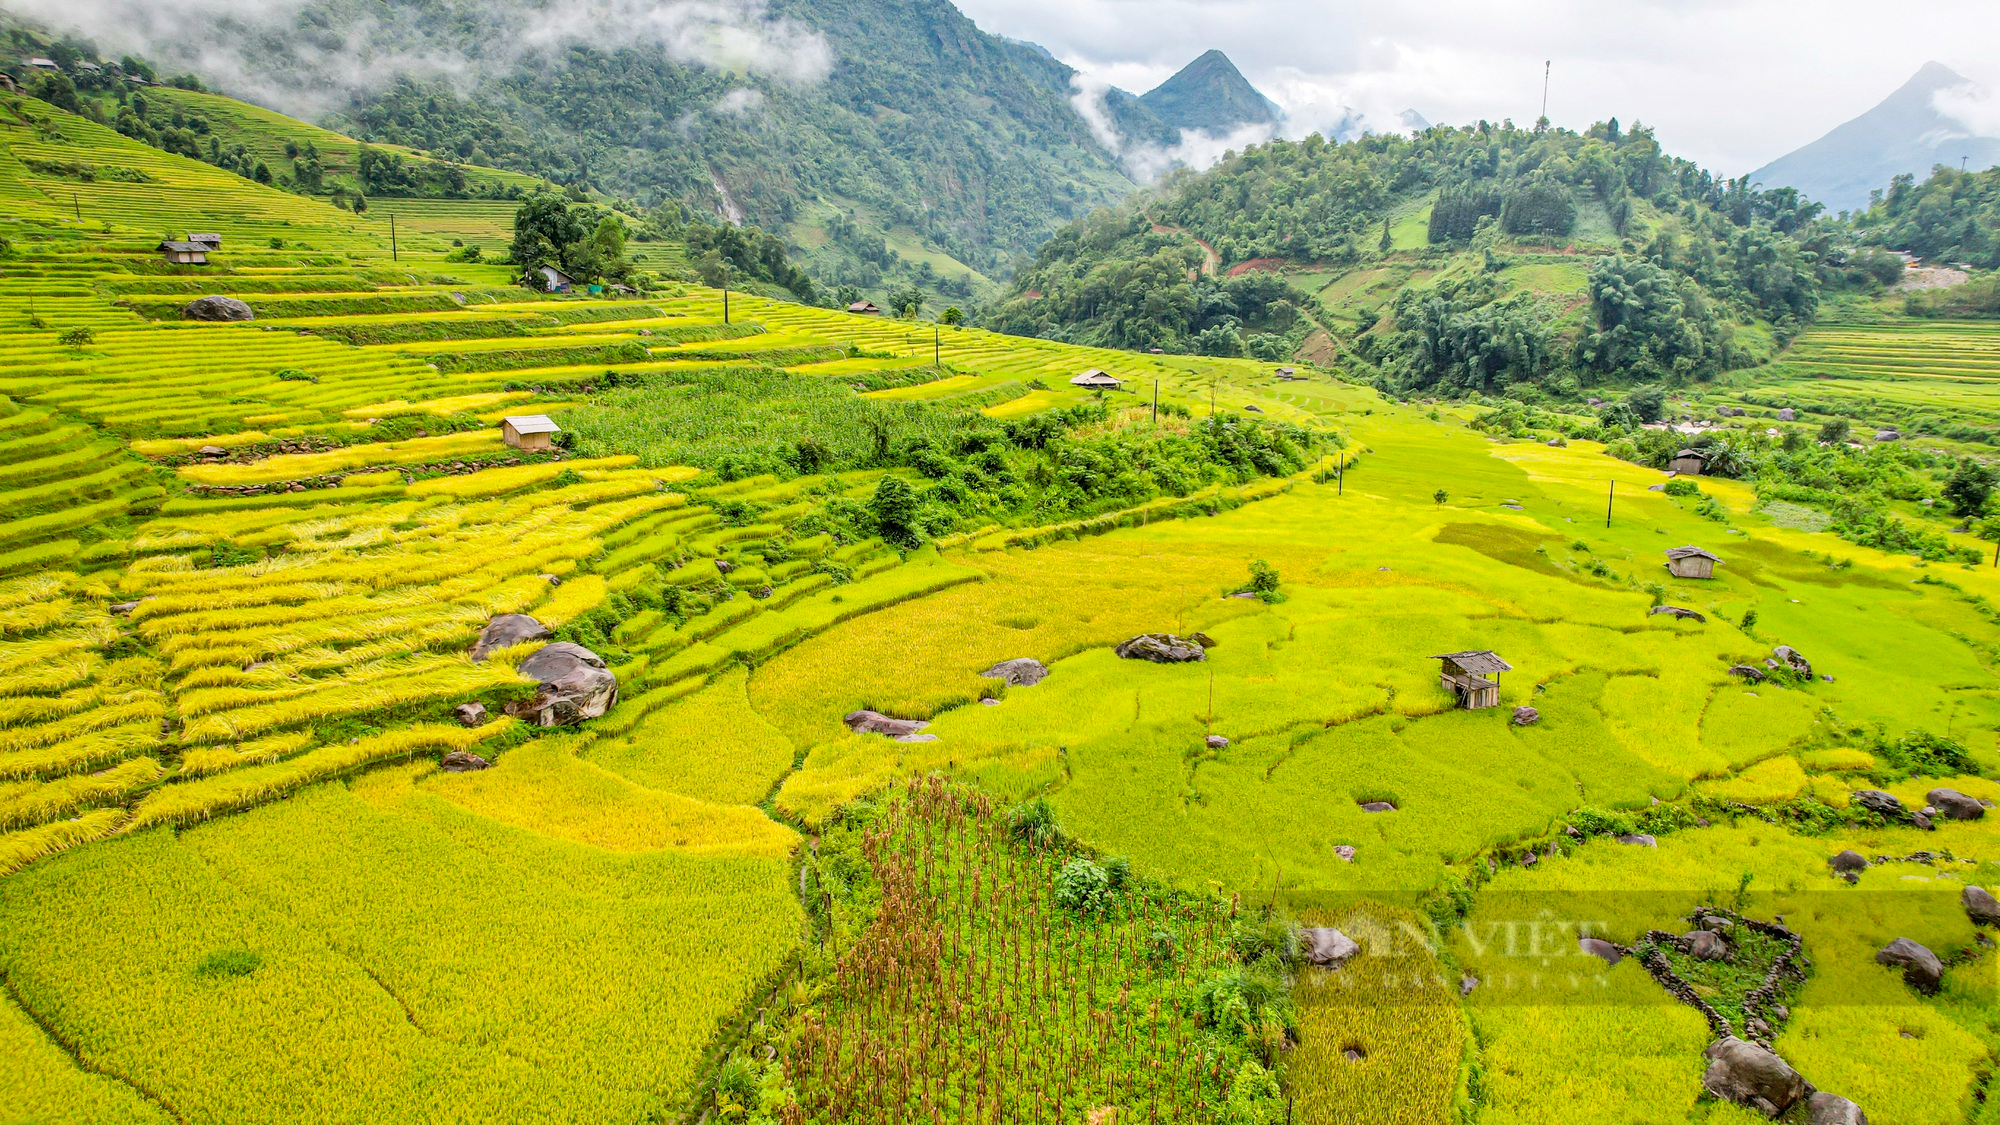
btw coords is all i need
(1717, 923)
(1526, 716)
(875, 722)
(1162, 648)
(1847, 861)
(470, 714)
(1327, 947)
(216, 308)
(1955, 805)
(1921, 968)
(918, 738)
(1018, 673)
(124, 609)
(1980, 906)
(463, 761)
(1791, 657)
(506, 631)
(1216, 742)
(1377, 806)
(1754, 675)
(1466, 984)
(1884, 804)
(1788, 415)
(1752, 1076)
(1639, 840)
(1599, 948)
(576, 686)
(1832, 1109)
(1677, 612)
(724, 566)
(1345, 852)
(1705, 945)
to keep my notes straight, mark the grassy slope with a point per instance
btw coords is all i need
(500, 903)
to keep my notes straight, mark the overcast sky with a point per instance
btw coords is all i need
(1730, 83)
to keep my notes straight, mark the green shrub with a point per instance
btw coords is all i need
(1082, 887)
(225, 963)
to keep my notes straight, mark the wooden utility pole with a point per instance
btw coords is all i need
(1548, 69)
(937, 346)
(1340, 480)
(1156, 402)
(76, 203)
(725, 301)
(1608, 499)
(395, 252)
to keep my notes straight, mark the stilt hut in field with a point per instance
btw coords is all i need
(531, 433)
(1691, 562)
(185, 253)
(1095, 380)
(1474, 677)
(1688, 463)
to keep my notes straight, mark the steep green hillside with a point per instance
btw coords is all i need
(1461, 259)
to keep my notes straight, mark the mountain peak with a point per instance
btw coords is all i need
(1905, 134)
(1211, 95)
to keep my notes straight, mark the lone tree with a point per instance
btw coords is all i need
(1968, 490)
(1440, 496)
(582, 241)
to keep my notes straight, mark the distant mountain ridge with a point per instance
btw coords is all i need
(1905, 135)
(1212, 96)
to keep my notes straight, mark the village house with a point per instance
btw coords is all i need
(212, 241)
(185, 253)
(1095, 380)
(530, 433)
(1688, 463)
(553, 280)
(864, 308)
(43, 64)
(1465, 674)
(1691, 562)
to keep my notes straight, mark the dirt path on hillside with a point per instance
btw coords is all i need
(1211, 261)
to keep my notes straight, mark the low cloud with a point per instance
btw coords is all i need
(1147, 162)
(309, 56)
(1972, 107)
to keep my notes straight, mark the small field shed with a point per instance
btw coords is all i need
(1466, 675)
(865, 308)
(1688, 463)
(530, 433)
(1095, 380)
(1691, 562)
(185, 253)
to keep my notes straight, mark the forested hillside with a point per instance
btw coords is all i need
(894, 141)
(1459, 258)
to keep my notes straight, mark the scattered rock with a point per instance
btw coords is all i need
(1921, 969)
(1705, 945)
(1204, 640)
(1980, 906)
(1717, 924)
(917, 738)
(724, 566)
(1466, 984)
(1656, 488)
(1598, 947)
(875, 722)
(506, 631)
(1749, 1075)
(1923, 820)
(1794, 660)
(1757, 1028)
(1847, 861)
(1780, 1012)
(1955, 805)
(989, 701)
(1526, 716)
(123, 609)
(1639, 840)
(550, 579)
(1216, 742)
(1327, 947)
(1832, 1109)
(1245, 595)
(1530, 859)
(1345, 852)
(576, 686)
(1883, 804)
(1677, 612)
(470, 714)
(1888, 435)
(217, 309)
(1018, 673)
(1162, 648)
(212, 451)
(1754, 675)
(463, 761)
(1788, 415)
(1377, 806)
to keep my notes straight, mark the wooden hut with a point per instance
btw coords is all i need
(1688, 463)
(1691, 562)
(1095, 380)
(185, 253)
(550, 279)
(531, 433)
(1466, 675)
(865, 308)
(212, 241)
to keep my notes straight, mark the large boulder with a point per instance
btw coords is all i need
(1921, 968)
(1955, 805)
(1749, 1075)
(506, 631)
(576, 685)
(1793, 660)
(1832, 1109)
(1018, 673)
(463, 761)
(217, 309)
(1980, 906)
(1705, 945)
(1327, 947)
(470, 714)
(1598, 947)
(1526, 716)
(1162, 648)
(1639, 840)
(1754, 675)
(875, 722)
(1880, 803)
(1847, 861)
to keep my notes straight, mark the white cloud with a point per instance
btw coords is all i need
(1972, 106)
(1147, 162)
(1731, 83)
(305, 56)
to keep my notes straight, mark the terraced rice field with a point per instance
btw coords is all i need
(242, 567)
(1924, 375)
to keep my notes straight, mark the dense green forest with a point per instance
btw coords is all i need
(1953, 216)
(1679, 260)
